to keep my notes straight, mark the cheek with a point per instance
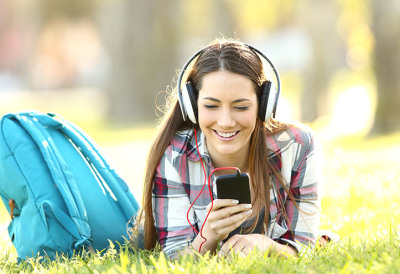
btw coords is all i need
(248, 120)
(205, 119)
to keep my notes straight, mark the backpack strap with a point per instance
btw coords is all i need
(35, 124)
(115, 183)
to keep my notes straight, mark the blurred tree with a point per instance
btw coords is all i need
(319, 19)
(224, 19)
(142, 39)
(386, 29)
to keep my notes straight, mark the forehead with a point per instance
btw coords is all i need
(223, 84)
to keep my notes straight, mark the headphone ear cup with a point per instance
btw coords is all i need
(263, 102)
(268, 101)
(190, 102)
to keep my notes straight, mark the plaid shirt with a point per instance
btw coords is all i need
(180, 177)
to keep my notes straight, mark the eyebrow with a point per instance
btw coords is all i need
(218, 101)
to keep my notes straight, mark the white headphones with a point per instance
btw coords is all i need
(268, 99)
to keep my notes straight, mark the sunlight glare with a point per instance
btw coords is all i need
(353, 112)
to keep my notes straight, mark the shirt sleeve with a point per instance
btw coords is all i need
(301, 218)
(170, 206)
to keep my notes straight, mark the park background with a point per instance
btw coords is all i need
(107, 64)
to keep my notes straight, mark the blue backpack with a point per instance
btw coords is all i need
(61, 193)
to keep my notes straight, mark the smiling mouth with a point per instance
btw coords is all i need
(226, 134)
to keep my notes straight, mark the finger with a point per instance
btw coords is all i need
(235, 209)
(221, 203)
(225, 226)
(246, 251)
(221, 220)
(235, 246)
(226, 212)
(238, 249)
(228, 245)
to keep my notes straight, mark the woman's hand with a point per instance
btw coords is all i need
(225, 216)
(244, 244)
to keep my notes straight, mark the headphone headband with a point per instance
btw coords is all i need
(189, 61)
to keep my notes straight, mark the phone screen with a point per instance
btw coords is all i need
(234, 186)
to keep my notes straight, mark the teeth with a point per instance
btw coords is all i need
(227, 134)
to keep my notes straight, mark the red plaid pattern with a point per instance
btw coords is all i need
(180, 177)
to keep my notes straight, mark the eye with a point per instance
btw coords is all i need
(210, 106)
(242, 108)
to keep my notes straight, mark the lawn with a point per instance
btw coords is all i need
(360, 202)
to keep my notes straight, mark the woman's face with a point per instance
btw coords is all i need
(228, 106)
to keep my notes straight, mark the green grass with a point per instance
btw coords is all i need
(360, 203)
(372, 256)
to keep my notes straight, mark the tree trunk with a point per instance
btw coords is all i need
(320, 19)
(224, 20)
(386, 29)
(142, 41)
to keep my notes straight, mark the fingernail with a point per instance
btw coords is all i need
(235, 202)
(248, 206)
(248, 212)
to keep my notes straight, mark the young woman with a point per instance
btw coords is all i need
(223, 119)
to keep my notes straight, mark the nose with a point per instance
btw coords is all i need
(225, 119)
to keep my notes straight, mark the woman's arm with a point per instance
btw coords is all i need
(170, 205)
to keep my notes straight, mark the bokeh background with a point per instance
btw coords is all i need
(108, 59)
(107, 64)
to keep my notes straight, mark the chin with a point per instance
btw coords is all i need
(228, 151)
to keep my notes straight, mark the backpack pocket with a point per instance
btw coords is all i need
(62, 228)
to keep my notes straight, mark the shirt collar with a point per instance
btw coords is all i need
(193, 153)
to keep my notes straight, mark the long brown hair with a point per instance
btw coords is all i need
(220, 55)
